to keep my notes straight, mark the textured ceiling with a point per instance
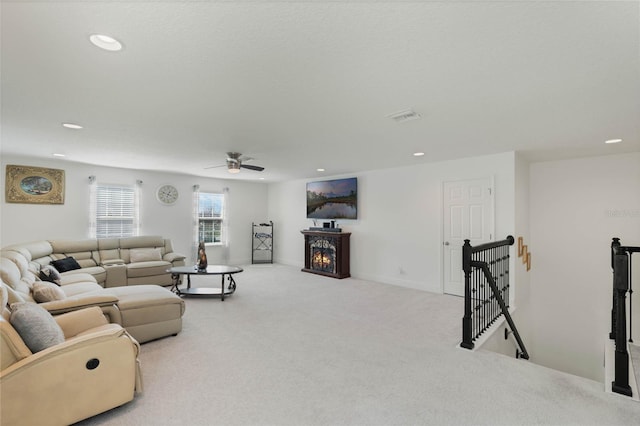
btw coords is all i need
(303, 85)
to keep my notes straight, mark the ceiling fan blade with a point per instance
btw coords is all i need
(215, 167)
(252, 167)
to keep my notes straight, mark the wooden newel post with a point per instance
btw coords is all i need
(467, 339)
(620, 286)
(615, 244)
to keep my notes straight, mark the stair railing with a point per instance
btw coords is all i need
(486, 291)
(621, 265)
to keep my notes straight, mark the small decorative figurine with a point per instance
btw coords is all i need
(202, 257)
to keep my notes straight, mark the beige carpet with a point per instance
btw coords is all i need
(291, 348)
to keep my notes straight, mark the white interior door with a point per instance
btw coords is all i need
(468, 214)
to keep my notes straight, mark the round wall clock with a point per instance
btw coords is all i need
(167, 194)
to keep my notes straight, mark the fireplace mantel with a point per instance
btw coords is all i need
(326, 253)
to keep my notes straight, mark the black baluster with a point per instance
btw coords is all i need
(484, 293)
(467, 320)
(506, 274)
(630, 297)
(498, 280)
(492, 268)
(497, 277)
(476, 294)
(621, 284)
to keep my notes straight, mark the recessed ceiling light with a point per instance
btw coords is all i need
(406, 115)
(418, 154)
(105, 42)
(613, 141)
(59, 155)
(72, 126)
(320, 170)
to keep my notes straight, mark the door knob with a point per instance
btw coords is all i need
(446, 243)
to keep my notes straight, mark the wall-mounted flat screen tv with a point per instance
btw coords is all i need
(333, 199)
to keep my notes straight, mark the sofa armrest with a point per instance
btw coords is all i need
(116, 274)
(82, 301)
(76, 322)
(172, 257)
(103, 334)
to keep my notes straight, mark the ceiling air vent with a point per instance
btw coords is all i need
(402, 116)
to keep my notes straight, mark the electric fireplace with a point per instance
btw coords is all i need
(326, 253)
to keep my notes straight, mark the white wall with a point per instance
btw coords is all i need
(397, 238)
(29, 222)
(576, 207)
(520, 300)
(567, 211)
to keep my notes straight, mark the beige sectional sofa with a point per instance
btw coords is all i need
(147, 312)
(113, 262)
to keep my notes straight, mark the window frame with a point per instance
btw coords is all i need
(215, 217)
(116, 204)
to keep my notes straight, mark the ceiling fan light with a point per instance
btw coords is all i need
(234, 167)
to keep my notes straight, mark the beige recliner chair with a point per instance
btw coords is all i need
(93, 370)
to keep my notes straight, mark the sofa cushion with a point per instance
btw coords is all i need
(32, 250)
(36, 326)
(10, 274)
(25, 275)
(76, 276)
(66, 264)
(146, 269)
(85, 260)
(144, 255)
(109, 255)
(44, 291)
(139, 242)
(81, 287)
(73, 246)
(97, 272)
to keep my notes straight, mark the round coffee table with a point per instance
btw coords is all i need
(222, 270)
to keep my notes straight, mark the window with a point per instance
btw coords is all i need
(210, 208)
(116, 211)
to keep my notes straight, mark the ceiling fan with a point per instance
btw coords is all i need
(235, 162)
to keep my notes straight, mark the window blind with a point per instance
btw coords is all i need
(115, 211)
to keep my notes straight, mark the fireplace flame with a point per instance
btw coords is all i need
(321, 259)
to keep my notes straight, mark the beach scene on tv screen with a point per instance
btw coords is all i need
(332, 199)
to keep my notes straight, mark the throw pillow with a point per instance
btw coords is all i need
(46, 292)
(66, 264)
(49, 275)
(52, 272)
(36, 326)
(144, 255)
(45, 277)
